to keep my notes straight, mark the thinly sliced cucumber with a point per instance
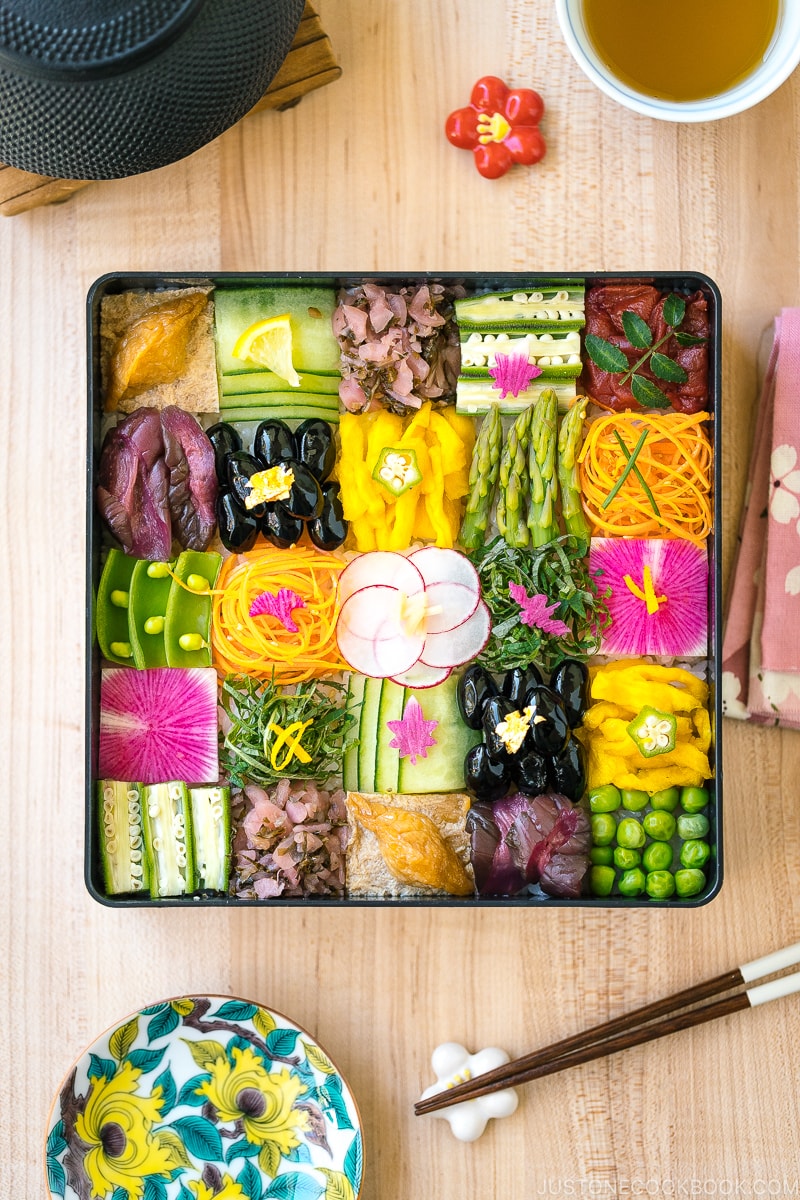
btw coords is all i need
(353, 706)
(211, 833)
(268, 381)
(387, 758)
(310, 309)
(122, 849)
(368, 734)
(294, 399)
(167, 819)
(442, 770)
(293, 412)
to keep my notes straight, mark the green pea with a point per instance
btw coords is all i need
(605, 799)
(692, 826)
(630, 834)
(601, 880)
(695, 853)
(659, 825)
(604, 827)
(154, 625)
(657, 856)
(634, 800)
(192, 641)
(624, 858)
(660, 885)
(693, 799)
(119, 598)
(690, 882)
(669, 799)
(633, 882)
(197, 583)
(121, 649)
(158, 570)
(601, 856)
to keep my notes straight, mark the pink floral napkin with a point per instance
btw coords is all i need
(761, 640)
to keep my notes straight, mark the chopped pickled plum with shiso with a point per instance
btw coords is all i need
(159, 725)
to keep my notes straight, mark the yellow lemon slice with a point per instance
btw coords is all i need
(269, 343)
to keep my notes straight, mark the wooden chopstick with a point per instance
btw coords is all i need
(631, 1029)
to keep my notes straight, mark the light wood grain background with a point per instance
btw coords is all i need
(360, 177)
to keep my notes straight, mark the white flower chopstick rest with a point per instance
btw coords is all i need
(453, 1064)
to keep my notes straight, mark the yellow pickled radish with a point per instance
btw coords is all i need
(269, 344)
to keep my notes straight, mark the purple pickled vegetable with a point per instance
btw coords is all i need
(563, 876)
(132, 486)
(573, 834)
(484, 839)
(531, 839)
(189, 457)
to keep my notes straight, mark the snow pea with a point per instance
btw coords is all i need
(151, 584)
(111, 612)
(187, 626)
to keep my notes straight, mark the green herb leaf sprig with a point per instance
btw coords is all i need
(608, 357)
(250, 705)
(559, 570)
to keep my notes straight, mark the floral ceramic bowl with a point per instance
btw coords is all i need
(204, 1098)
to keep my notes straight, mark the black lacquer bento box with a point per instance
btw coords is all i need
(404, 589)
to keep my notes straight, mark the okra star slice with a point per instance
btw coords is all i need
(167, 817)
(211, 829)
(121, 837)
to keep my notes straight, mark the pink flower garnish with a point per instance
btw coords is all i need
(278, 604)
(512, 374)
(536, 611)
(412, 735)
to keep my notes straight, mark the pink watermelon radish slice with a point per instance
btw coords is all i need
(159, 725)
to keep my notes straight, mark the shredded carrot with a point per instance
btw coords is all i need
(261, 645)
(667, 495)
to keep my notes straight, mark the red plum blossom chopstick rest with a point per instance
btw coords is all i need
(500, 125)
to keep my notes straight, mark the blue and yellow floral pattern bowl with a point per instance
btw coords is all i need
(204, 1098)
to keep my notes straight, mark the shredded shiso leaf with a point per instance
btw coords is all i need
(558, 570)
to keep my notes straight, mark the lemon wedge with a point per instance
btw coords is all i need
(269, 343)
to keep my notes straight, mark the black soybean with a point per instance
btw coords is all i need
(238, 529)
(241, 466)
(549, 725)
(274, 442)
(279, 527)
(315, 447)
(329, 529)
(495, 710)
(568, 771)
(484, 777)
(305, 495)
(531, 773)
(225, 440)
(517, 681)
(571, 680)
(475, 687)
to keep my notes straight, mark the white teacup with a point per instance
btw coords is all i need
(780, 59)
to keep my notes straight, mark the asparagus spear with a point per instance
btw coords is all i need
(513, 483)
(483, 474)
(570, 437)
(542, 474)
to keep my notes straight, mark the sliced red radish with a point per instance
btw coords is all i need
(370, 635)
(422, 676)
(159, 725)
(437, 564)
(457, 646)
(449, 605)
(380, 567)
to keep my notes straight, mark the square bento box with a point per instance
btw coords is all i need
(404, 589)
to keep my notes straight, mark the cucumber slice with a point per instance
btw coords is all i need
(443, 768)
(268, 381)
(211, 833)
(294, 399)
(122, 849)
(148, 606)
(387, 759)
(368, 734)
(167, 819)
(112, 607)
(310, 309)
(353, 706)
(291, 412)
(188, 613)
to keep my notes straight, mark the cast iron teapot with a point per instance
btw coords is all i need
(99, 89)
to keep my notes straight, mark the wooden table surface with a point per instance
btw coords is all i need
(359, 177)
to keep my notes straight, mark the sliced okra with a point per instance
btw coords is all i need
(211, 829)
(168, 838)
(122, 849)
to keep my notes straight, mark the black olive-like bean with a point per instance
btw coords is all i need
(484, 777)
(495, 710)
(549, 731)
(568, 771)
(517, 681)
(279, 527)
(238, 529)
(225, 440)
(241, 466)
(531, 773)
(316, 447)
(475, 687)
(571, 680)
(274, 442)
(329, 529)
(305, 496)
